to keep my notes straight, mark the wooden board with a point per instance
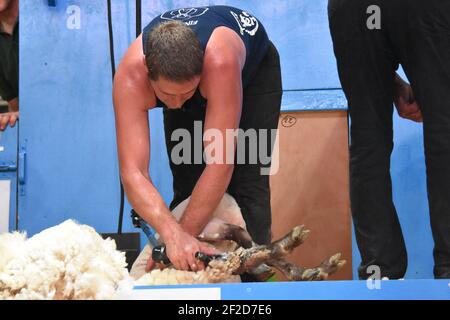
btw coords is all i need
(311, 186)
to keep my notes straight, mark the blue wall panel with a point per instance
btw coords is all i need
(312, 100)
(67, 121)
(67, 124)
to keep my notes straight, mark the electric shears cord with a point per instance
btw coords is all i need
(113, 72)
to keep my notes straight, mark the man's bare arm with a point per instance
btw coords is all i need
(131, 98)
(132, 95)
(223, 83)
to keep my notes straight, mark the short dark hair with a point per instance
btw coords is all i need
(173, 51)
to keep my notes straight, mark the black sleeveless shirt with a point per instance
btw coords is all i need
(204, 20)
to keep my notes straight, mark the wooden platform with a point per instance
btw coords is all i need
(311, 186)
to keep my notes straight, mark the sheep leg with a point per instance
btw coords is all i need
(226, 231)
(297, 273)
(285, 245)
(258, 259)
(255, 256)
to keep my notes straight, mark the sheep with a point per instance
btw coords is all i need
(72, 261)
(68, 261)
(256, 260)
(227, 212)
(226, 231)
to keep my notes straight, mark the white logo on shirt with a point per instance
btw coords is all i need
(247, 23)
(184, 14)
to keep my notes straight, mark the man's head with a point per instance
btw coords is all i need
(174, 58)
(4, 4)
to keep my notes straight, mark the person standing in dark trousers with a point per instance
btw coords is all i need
(9, 61)
(415, 34)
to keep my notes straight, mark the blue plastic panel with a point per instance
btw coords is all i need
(313, 100)
(331, 290)
(67, 122)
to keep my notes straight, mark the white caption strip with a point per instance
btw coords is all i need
(5, 190)
(177, 294)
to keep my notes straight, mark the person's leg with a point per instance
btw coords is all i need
(261, 110)
(425, 56)
(366, 66)
(185, 175)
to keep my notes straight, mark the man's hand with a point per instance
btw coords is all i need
(8, 117)
(181, 249)
(405, 101)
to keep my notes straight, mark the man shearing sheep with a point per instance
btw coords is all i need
(211, 64)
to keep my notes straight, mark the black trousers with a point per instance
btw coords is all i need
(415, 34)
(260, 110)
